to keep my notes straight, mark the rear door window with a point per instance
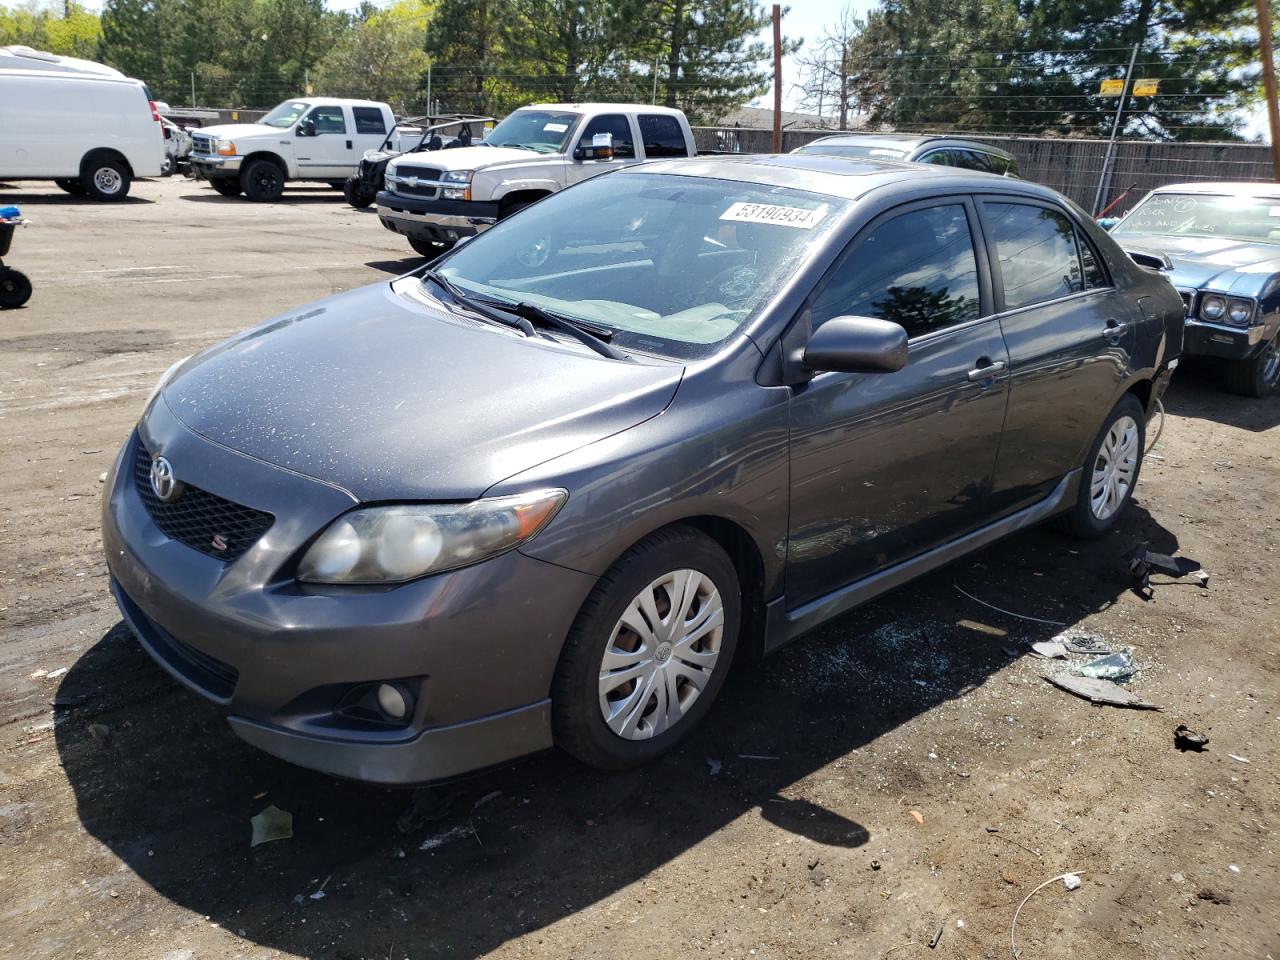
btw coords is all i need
(918, 269)
(973, 160)
(662, 136)
(369, 120)
(615, 124)
(938, 157)
(1037, 251)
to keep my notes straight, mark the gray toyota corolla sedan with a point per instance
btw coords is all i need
(547, 490)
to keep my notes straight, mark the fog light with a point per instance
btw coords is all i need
(393, 701)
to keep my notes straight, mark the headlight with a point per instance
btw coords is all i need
(226, 148)
(463, 177)
(398, 543)
(1239, 312)
(1212, 308)
(165, 378)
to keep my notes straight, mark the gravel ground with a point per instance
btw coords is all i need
(903, 771)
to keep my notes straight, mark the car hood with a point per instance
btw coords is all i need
(1222, 265)
(394, 399)
(243, 131)
(473, 158)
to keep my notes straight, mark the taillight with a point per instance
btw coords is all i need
(155, 114)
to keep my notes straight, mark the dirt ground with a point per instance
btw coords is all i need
(901, 772)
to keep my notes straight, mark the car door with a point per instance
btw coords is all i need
(618, 126)
(886, 466)
(326, 150)
(1070, 334)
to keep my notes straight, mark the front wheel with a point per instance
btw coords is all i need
(354, 193)
(649, 652)
(15, 288)
(1257, 376)
(227, 186)
(166, 168)
(1110, 471)
(263, 181)
(429, 248)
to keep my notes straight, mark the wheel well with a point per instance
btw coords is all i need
(519, 196)
(105, 153)
(265, 155)
(1142, 390)
(749, 564)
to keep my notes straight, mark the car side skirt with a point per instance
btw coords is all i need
(783, 625)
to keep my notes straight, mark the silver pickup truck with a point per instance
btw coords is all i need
(436, 199)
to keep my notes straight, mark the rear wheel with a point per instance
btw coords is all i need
(649, 652)
(73, 187)
(15, 288)
(105, 178)
(428, 248)
(1110, 471)
(227, 186)
(1258, 376)
(263, 181)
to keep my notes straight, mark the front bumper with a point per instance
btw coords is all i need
(1204, 339)
(478, 646)
(207, 167)
(443, 220)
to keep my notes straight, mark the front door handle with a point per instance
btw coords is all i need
(985, 371)
(1114, 330)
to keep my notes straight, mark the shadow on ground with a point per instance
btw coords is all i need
(1198, 390)
(170, 790)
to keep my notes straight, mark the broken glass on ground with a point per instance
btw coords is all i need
(1117, 666)
(1099, 691)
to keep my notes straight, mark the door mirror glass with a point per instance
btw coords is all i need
(857, 345)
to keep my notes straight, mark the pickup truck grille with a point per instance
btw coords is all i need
(201, 143)
(415, 181)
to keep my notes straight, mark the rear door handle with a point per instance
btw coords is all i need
(986, 371)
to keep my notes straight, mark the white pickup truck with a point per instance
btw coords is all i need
(311, 138)
(435, 199)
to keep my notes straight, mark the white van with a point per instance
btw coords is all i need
(83, 125)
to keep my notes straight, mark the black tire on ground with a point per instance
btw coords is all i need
(73, 187)
(1258, 376)
(356, 195)
(15, 288)
(262, 181)
(227, 186)
(429, 248)
(578, 724)
(1081, 520)
(514, 207)
(105, 178)
(166, 167)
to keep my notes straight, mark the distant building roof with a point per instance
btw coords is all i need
(762, 118)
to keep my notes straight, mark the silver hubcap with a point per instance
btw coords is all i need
(1271, 366)
(107, 180)
(661, 654)
(1114, 469)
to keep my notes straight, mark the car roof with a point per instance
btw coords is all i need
(1231, 188)
(320, 101)
(836, 176)
(604, 107)
(905, 141)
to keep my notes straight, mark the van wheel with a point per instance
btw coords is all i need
(15, 288)
(1110, 471)
(263, 181)
(1258, 376)
(73, 187)
(227, 186)
(105, 179)
(649, 652)
(428, 248)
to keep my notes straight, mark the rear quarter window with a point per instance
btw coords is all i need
(662, 136)
(369, 120)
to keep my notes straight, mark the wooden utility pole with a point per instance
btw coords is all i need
(777, 78)
(1269, 82)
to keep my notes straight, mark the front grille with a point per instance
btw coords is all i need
(201, 143)
(425, 188)
(197, 517)
(207, 674)
(422, 173)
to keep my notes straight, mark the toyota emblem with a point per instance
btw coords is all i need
(163, 483)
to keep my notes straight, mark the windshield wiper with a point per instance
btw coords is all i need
(592, 336)
(485, 308)
(518, 146)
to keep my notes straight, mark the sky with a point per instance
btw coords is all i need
(806, 20)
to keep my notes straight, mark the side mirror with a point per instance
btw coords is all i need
(857, 345)
(600, 148)
(306, 127)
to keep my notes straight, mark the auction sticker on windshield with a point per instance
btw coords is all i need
(780, 216)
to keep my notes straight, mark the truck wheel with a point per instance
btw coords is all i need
(15, 288)
(166, 168)
(227, 186)
(355, 194)
(263, 181)
(649, 651)
(1110, 471)
(1258, 376)
(429, 248)
(73, 187)
(105, 178)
